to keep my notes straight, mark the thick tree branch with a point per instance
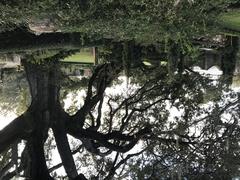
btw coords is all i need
(90, 100)
(101, 78)
(103, 139)
(59, 131)
(55, 167)
(20, 128)
(6, 169)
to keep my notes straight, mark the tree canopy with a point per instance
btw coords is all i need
(144, 112)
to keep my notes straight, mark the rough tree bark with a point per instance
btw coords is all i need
(38, 78)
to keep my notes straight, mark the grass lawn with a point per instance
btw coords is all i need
(81, 57)
(231, 20)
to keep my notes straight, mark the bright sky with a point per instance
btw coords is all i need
(6, 119)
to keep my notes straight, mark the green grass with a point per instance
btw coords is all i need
(231, 20)
(81, 57)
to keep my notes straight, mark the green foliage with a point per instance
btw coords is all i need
(39, 57)
(173, 150)
(144, 21)
(14, 92)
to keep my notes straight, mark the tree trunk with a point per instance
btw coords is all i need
(229, 58)
(38, 78)
(58, 119)
(47, 113)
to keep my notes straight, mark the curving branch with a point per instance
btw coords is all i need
(20, 128)
(101, 78)
(141, 95)
(115, 165)
(57, 166)
(99, 116)
(103, 139)
(6, 169)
